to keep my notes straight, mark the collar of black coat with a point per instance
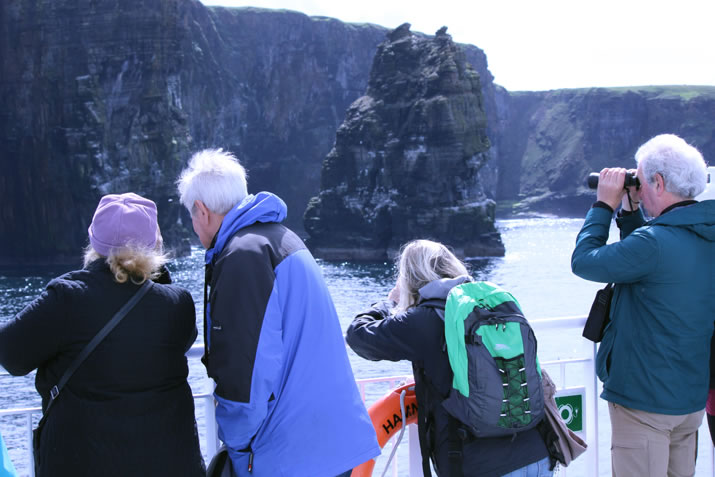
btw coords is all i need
(679, 204)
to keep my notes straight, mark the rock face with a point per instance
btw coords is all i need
(87, 109)
(273, 86)
(406, 159)
(105, 96)
(108, 96)
(550, 141)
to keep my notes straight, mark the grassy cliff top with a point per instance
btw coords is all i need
(684, 92)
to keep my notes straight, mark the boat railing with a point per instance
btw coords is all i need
(558, 369)
(211, 441)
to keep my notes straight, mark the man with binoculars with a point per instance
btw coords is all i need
(653, 359)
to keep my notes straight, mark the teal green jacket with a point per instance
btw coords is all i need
(655, 351)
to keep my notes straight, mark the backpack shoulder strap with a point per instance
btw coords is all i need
(423, 419)
(455, 446)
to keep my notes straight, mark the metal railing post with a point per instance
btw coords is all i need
(415, 454)
(31, 450)
(212, 440)
(593, 405)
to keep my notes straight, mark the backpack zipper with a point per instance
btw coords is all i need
(495, 320)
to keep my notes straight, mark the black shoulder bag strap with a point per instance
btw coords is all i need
(455, 448)
(55, 391)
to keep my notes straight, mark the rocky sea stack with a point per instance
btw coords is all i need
(406, 159)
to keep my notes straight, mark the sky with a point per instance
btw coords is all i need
(552, 44)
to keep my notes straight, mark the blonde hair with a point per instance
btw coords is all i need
(421, 262)
(130, 263)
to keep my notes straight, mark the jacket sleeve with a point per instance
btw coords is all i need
(190, 313)
(245, 344)
(377, 334)
(33, 336)
(629, 223)
(627, 261)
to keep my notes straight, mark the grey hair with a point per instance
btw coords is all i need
(421, 262)
(130, 263)
(681, 165)
(216, 178)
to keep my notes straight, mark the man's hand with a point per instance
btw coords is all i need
(610, 186)
(635, 195)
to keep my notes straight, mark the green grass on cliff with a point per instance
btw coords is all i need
(683, 92)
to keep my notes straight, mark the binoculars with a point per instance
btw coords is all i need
(630, 180)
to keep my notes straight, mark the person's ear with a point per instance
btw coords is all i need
(200, 212)
(659, 183)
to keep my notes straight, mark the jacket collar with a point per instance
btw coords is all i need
(679, 204)
(263, 207)
(440, 288)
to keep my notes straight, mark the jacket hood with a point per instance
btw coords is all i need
(698, 218)
(440, 288)
(263, 207)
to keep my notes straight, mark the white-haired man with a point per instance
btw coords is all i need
(287, 401)
(654, 356)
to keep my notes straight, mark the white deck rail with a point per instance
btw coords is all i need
(557, 369)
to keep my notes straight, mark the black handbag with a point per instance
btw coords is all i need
(599, 317)
(220, 465)
(55, 391)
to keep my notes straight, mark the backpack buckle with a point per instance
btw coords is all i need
(473, 338)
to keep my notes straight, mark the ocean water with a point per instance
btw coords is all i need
(535, 269)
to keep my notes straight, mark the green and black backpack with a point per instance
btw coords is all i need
(497, 388)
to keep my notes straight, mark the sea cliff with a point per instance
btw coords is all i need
(550, 141)
(100, 96)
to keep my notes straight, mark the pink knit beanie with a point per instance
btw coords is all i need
(121, 220)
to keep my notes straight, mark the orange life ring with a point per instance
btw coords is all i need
(387, 420)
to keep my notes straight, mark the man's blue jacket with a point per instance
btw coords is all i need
(287, 401)
(655, 351)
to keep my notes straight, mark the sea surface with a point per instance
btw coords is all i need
(536, 270)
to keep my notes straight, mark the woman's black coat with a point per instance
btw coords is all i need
(128, 409)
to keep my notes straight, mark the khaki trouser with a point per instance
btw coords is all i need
(653, 445)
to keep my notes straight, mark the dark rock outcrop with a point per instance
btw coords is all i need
(406, 160)
(551, 140)
(88, 107)
(100, 96)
